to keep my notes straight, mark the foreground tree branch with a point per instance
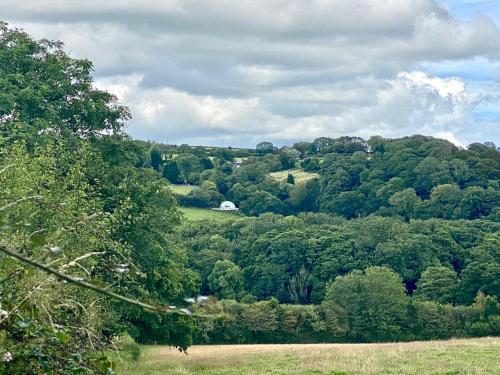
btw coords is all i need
(83, 284)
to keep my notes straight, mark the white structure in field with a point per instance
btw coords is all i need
(227, 206)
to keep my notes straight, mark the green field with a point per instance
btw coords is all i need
(299, 174)
(471, 356)
(183, 189)
(193, 213)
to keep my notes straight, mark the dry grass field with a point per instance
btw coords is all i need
(299, 174)
(468, 356)
(183, 189)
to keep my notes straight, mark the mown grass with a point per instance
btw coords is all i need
(299, 174)
(193, 213)
(471, 356)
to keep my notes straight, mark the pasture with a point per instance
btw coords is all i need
(299, 174)
(194, 213)
(464, 356)
(183, 189)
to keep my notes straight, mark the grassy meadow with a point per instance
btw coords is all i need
(194, 213)
(299, 174)
(464, 356)
(183, 189)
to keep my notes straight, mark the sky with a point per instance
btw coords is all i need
(225, 72)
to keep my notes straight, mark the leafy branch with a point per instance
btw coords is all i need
(62, 276)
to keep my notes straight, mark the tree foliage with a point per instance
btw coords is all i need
(75, 198)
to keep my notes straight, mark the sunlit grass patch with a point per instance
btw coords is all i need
(183, 189)
(299, 174)
(193, 213)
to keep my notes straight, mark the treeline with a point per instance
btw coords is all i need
(362, 307)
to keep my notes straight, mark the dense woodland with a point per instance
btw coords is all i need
(414, 177)
(386, 239)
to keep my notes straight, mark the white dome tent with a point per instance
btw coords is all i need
(227, 206)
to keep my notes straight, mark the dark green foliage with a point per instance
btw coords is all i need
(188, 165)
(171, 171)
(259, 202)
(310, 164)
(367, 306)
(413, 177)
(156, 159)
(288, 157)
(293, 258)
(304, 197)
(304, 148)
(43, 89)
(438, 284)
(206, 196)
(226, 280)
(270, 322)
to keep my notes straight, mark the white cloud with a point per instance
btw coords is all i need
(451, 86)
(412, 102)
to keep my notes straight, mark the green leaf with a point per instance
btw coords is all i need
(63, 337)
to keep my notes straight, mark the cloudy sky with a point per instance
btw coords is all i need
(238, 72)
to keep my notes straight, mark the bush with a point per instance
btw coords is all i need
(128, 348)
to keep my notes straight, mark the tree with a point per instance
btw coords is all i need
(221, 181)
(394, 185)
(288, 157)
(156, 159)
(171, 171)
(261, 319)
(437, 284)
(482, 270)
(444, 200)
(479, 276)
(304, 148)
(226, 280)
(366, 306)
(76, 203)
(429, 173)
(187, 164)
(259, 202)
(310, 164)
(404, 202)
(264, 148)
(43, 90)
(348, 204)
(409, 255)
(299, 286)
(477, 202)
(45, 323)
(304, 196)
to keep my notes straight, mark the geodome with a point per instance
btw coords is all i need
(227, 206)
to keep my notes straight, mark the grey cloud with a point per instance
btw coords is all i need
(282, 69)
